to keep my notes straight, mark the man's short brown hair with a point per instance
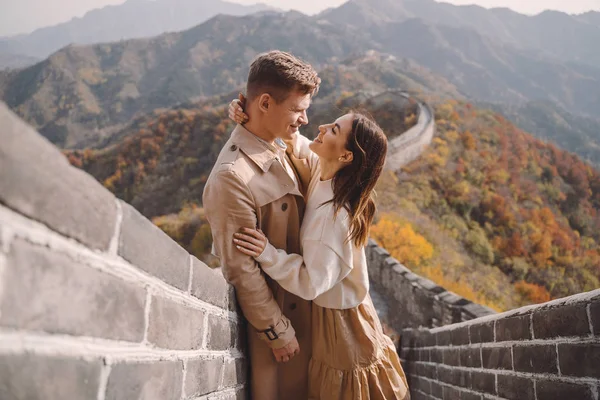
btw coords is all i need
(279, 73)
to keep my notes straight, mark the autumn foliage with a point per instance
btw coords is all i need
(489, 197)
(400, 239)
(163, 161)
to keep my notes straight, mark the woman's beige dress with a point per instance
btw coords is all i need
(352, 358)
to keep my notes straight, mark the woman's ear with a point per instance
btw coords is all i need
(264, 101)
(347, 157)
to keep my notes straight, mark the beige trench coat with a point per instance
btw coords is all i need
(248, 187)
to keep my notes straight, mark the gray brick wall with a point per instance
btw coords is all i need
(409, 146)
(543, 352)
(415, 301)
(95, 301)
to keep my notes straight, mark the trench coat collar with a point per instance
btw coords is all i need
(253, 147)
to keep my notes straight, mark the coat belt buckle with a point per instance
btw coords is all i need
(271, 334)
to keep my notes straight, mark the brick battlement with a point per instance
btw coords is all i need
(542, 352)
(95, 301)
(415, 300)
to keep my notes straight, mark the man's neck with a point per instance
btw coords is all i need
(257, 130)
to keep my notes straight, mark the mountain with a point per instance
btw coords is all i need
(491, 71)
(367, 13)
(83, 93)
(12, 61)
(132, 19)
(553, 33)
(592, 17)
(560, 36)
(546, 120)
(372, 72)
(162, 163)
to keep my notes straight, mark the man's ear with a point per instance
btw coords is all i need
(347, 157)
(264, 102)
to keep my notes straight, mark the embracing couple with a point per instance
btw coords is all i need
(290, 219)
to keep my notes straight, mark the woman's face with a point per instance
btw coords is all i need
(330, 144)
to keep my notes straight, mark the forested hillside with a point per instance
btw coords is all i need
(494, 214)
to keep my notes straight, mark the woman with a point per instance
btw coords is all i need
(351, 356)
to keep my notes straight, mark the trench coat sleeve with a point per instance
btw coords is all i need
(229, 206)
(326, 268)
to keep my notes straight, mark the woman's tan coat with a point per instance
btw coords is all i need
(248, 187)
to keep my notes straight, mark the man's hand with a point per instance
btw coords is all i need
(287, 352)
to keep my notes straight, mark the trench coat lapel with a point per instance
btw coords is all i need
(273, 182)
(302, 169)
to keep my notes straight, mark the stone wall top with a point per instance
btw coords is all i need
(413, 300)
(96, 301)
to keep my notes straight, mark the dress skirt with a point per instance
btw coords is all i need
(352, 359)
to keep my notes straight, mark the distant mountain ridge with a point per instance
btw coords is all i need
(83, 93)
(593, 17)
(544, 119)
(132, 19)
(490, 70)
(555, 34)
(13, 61)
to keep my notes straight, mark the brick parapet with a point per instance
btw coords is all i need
(417, 301)
(95, 301)
(509, 355)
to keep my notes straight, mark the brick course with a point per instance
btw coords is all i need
(37, 377)
(42, 284)
(150, 249)
(563, 321)
(174, 325)
(203, 376)
(95, 301)
(153, 381)
(498, 357)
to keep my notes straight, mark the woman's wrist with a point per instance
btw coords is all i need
(266, 257)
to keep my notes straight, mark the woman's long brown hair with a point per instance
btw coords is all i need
(353, 185)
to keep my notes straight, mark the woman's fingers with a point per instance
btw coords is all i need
(248, 245)
(253, 234)
(247, 252)
(232, 111)
(251, 249)
(256, 233)
(236, 112)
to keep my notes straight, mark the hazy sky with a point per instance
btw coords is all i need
(22, 16)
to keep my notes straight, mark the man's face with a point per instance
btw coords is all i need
(286, 117)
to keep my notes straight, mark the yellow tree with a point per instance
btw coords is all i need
(401, 240)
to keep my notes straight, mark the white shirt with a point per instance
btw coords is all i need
(332, 270)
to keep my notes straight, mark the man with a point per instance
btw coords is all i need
(256, 183)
